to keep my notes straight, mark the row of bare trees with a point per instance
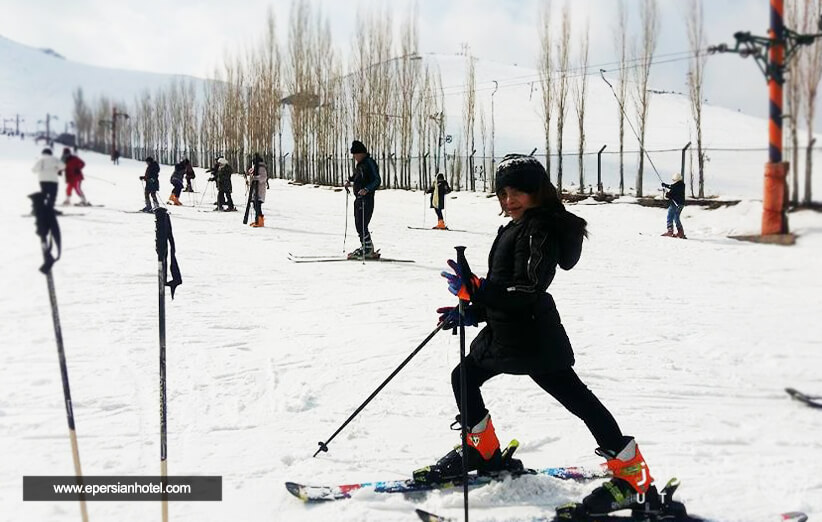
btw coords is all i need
(393, 102)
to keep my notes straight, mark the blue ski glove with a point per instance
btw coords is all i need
(462, 284)
(450, 317)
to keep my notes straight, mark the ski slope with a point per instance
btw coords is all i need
(689, 343)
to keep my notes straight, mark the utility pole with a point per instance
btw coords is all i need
(493, 159)
(780, 46)
(17, 128)
(114, 116)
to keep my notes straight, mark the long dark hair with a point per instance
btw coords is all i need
(547, 197)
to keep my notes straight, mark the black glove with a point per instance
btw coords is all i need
(142, 178)
(212, 179)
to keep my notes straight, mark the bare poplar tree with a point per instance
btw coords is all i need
(408, 69)
(792, 98)
(545, 67)
(696, 69)
(580, 92)
(483, 142)
(622, 87)
(82, 117)
(468, 117)
(561, 94)
(642, 96)
(811, 73)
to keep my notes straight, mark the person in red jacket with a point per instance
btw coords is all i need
(74, 177)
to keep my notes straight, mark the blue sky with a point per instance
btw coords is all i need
(192, 36)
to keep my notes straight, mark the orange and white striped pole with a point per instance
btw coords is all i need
(774, 220)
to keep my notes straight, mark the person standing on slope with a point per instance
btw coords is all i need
(676, 195)
(261, 179)
(48, 170)
(189, 175)
(366, 180)
(524, 335)
(438, 191)
(152, 179)
(74, 177)
(176, 181)
(223, 178)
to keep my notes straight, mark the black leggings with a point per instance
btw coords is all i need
(439, 213)
(563, 385)
(258, 208)
(49, 190)
(363, 210)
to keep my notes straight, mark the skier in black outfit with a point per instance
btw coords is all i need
(222, 176)
(676, 195)
(524, 334)
(189, 175)
(366, 180)
(438, 191)
(152, 179)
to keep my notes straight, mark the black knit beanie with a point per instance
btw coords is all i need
(524, 173)
(358, 148)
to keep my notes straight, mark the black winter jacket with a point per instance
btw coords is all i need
(152, 177)
(524, 334)
(366, 176)
(442, 190)
(676, 192)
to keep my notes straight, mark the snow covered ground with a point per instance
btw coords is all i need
(689, 343)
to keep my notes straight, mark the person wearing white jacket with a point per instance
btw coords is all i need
(48, 169)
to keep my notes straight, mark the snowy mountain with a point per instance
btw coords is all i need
(35, 82)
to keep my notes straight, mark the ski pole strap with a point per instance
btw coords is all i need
(47, 228)
(165, 237)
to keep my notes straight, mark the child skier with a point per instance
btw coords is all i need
(152, 179)
(177, 181)
(74, 177)
(438, 190)
(524, 335)
(261, 178)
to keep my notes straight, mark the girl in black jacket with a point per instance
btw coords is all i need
(524, 334)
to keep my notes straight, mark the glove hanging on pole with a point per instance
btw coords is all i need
(164, 238)
(47, 229)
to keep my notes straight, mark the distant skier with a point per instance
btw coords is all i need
(261, 179)
(152, 179)
(177, 182)
(438, 190)
(676, 195)
(366, 180)
(115, 157)
(524, 334)
(222, 176)
(48, 170)
(189, 175)
(74, 177)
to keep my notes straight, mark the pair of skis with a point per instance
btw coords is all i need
(294, 258)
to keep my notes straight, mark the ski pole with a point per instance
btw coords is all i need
(463, 263)
(47, 226)
(324, 445)
(161, 246)
(362, 228)
(345, 234)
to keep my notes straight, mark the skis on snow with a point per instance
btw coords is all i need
(344, 491)
(330, 258)
(446, 229)
(812, 401)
